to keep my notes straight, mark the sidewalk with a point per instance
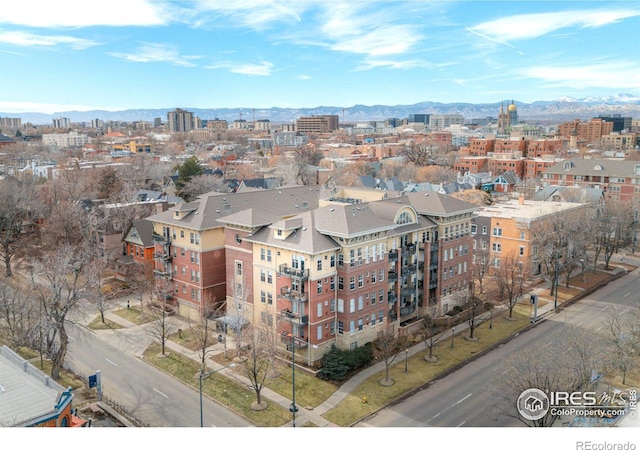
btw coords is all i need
(133, 339)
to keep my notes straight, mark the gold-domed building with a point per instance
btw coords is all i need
(508, 118)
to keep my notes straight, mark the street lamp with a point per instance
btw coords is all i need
(453, 330)
(555, 283)
(582, 263)
(293, 408)
(406, 361)
(204, 376)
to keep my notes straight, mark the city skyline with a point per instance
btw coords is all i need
(299, 54)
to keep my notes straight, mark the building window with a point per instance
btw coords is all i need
(333, 283)
(194, 238)
(373, 276)
(268, 255)
(484, 229)
(263, 296)
(181, 233)
(373, 319)
(381, 275)
(262, 254)
(381, 316)
(381, 295)
(352, 305)
(333, 261)
(238, 268)
(333, 328)
(263, 275)
(340, 260)
(496, 247)
(352, 283)
(340, 305)
(332, 305)
(269, 298)
(352, 326)
(473, 229)
(340, 283)
(340, 327)
(319, 310)
(319, 286)
(521, 250)
(497, 231)
(360, 324)
(269, 277)
(360, 280)
(360, 303)
(319, 332)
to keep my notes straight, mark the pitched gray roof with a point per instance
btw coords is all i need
(144, 229)
(305, 238)
(203, 214)
(350, 220)
(436, 204)
(603, 167)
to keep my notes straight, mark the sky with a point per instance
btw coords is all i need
(122, 54)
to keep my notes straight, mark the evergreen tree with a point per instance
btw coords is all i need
(189, 169)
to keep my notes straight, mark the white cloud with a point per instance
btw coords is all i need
(303, 77)
(527, 26)
(23, 39)
(372, 63)
(385, 40)
(611, 75)
(261, 69)
(80, 13)
(256, 14)
(158, 53)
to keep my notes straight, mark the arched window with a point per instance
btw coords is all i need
(404, 217)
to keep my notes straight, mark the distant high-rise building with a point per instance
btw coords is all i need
(157, 122)
(442, 121)
(317, 124)
(61, 122)
(419, 118)
(7, 123)
(619, 123)
(180, 121)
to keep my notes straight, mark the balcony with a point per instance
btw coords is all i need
(161, 239)
(393, 255)
(164, 255)
(294, 296)
(392, 276)
(392, 297)
(162, 274)
(408, 250)
(409, 269)
(301, 274)
(392, 315)
(296, 319)
(406, 310)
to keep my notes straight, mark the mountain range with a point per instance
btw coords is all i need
(562, 109)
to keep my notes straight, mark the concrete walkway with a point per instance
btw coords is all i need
(134, 339)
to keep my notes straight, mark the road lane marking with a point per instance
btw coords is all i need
(605, 308)
(110, 362)
(626, 295)
(461, 423)
(164, 395)
(462, 399)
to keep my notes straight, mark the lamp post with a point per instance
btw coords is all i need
(453, 330)
(293, 408)
(555, 284)
(406, 361)
(204, 376)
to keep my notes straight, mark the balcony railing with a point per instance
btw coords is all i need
(294, 296)
(164, 255)
(408, 269)
(294, 318)
(405, 310)
(293, 273)
(392, 275)
(285, 338)
(393, 255)
(392, 297)
(161, 239)
(162, 274)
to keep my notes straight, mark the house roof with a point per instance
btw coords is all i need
(27, 396)
(305, 238)
(603, 167)
(436, 204)
(204, 213)
(144, 230)
(250, 217)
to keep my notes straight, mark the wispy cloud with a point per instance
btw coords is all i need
(158, 53)
(78, 13)
(528, 26)
(373, 63)
(23, 39)
(303, 77)
(614, 75)
(255, 14)
(260, 69)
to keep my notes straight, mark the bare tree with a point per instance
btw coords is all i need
(18, 314)
(58, 280)
(386, 348)
(473, 306)
(256, 363)
(19, 210)
(204, 332)
(509, 278)
(621, 342)
(611, 230)
(429, 331)
(303, 157)
(566, 366)
(201, 184)
(480, 267)
(163, 322)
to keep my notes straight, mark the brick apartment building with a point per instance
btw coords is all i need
(331, 266)
(620, 179)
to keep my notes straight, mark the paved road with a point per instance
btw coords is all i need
(465, 397)
(153, 397)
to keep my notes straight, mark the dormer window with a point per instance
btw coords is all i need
(597, 167)
(567, 165)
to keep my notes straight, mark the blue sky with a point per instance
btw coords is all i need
(120, 54)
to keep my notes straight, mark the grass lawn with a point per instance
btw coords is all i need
(371, 395)
(220, 388)
(310, 391)
(98, 324)
(133, 315)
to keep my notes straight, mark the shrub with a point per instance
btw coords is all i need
(337, 363)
